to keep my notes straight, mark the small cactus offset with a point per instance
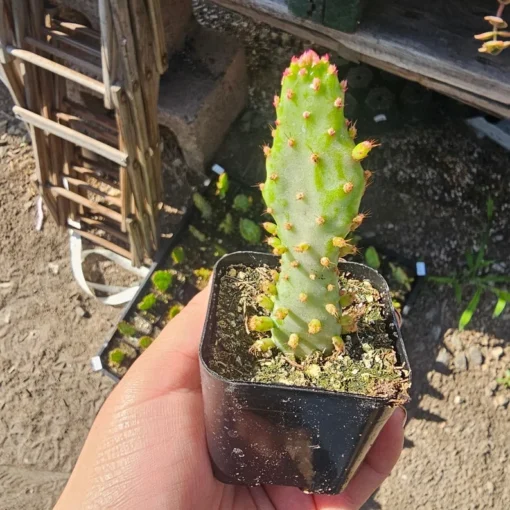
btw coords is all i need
(313, 191)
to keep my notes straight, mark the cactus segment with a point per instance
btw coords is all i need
(317, 192)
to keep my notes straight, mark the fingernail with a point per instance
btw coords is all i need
(404, 419)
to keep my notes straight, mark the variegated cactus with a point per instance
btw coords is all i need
(313, 191)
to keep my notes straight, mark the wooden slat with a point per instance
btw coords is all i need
(88, 115)
(85, 202)
(114, 232)
(158, 33)
(104, 243)
(115, 201)
(80, 125)
(428, 42)
(77, 29)
(54, 67)
(106, 23)
(4, 56)
(72, 136)
(68, 40)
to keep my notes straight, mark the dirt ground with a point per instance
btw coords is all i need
(432, 181)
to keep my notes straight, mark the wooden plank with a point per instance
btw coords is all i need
(85, 202)
(103, 242)
(422, 40)
(158, 34)
(76, 29)
(81, 126)
(106, 228)
(136, 242)
(106, 23)
(11, 79)
(4, 39)
(91, 116)
(110, 153)
(68, 40)
(115, 201)
(54, 67)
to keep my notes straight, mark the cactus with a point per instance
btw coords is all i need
(250, 231)
(147, 303)
(242, 203)
(178, 255)
(126, 329)
(313, 191)
(222, 185)
(145, 342)
(174, 311)
(116, 357)
(162, 280)
(227, 225)
(203, 206)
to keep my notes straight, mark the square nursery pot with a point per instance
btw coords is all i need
(309, 438)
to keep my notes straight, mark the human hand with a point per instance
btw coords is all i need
(147, 448)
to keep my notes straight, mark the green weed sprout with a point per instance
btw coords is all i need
(178, 255)
(222, 185)
(242, 203)
(126, 329)
(147, 303)
(227, 225)
(203, 274)
(475, 275)
(174, 310)
(161, 280)
(505, 380)
(116, 357)
(250, 231)
(203, 206)
(145, 342)
(313, 191)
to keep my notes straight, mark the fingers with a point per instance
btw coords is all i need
(171, 362)
(376, 467)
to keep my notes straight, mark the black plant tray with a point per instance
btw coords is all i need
(309, 438)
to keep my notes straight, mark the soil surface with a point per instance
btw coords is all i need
(432, 180)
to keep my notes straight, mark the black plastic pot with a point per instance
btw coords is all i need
(274, 434)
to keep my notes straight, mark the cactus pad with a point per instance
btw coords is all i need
(313, 191)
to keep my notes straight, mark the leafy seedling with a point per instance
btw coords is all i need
(126, 329)
(227, 225)
(250, 231)
(174, 310)
(116, 357)
(475, 275)
(222, 185)
(242, 203)
(178, 255)
(162, 281)
(400, 276)
(145, 342)
(203, 274)
(203, 206)
(147, 303)
(372, 258)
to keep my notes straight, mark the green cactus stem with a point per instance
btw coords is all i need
(203, 206)
(116, 357)
(178, 255)
(222, 185)
(227, 225)
(162, 281)
(126, 329)
(174, 311)
(145, 342)
(147, 303)
(250, 231)
(313, 191)
(242, 203)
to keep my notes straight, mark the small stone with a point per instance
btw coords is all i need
(80, 312)
(241, 275)
(489, 487)
(177, 162)
(475, 356)
(460, 362)
(458, 400)
(500, 401)
(497, 353)
(456, 342)
(491, 388)
(232, 273)
(443, 360)
(53, 268)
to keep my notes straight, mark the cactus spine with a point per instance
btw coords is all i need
(313, 191)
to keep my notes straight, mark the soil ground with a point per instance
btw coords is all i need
(432, 182)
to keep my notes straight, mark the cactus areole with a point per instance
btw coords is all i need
(313, 190)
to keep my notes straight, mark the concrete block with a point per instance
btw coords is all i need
(203, 91)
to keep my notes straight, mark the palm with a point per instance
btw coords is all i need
(147, 448)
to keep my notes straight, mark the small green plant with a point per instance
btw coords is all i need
(242, 203)
(178, 255)
(147, 303)
(227, 225)
(203, 206)
(476, 275)
(505, 380)
(126, 329)
(197, 234)
(219, 251)
(203, 274)
(400, 276)
(372, 258)
(161, 280)
(145, 342)
(250, 231)
(222, 185)
(174, 310)
(116, 357)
